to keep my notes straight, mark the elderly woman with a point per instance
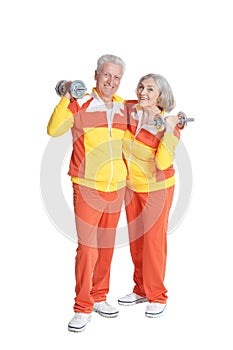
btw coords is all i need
(149, 154)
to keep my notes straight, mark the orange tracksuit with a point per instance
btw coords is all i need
(98, 174)
(150, 187)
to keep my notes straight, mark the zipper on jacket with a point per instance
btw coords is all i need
(131, 148)
(110, 114)
(111, 157)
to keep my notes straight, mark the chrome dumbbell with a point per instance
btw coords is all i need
(77, 88)
(160, 123)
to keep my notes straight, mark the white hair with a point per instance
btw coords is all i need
(110, 58)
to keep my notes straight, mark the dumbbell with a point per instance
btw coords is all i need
(77, 88)
(159, 122)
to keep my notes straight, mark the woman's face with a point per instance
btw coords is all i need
(148, 93)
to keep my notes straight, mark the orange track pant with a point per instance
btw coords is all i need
(96, 215)
(147, 216)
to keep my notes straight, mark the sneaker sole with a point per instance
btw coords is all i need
(152, 315)
(77, 330)
(107, 315)
(130, 303)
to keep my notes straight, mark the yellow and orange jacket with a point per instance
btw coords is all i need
(148, 154)
(96, 159)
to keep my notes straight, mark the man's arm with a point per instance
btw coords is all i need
(61, 119)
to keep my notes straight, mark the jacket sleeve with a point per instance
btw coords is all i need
(61, 119)
(166, 150)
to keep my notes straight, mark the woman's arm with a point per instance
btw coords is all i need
(166, 150)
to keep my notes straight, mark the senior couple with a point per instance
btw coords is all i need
(119, 155)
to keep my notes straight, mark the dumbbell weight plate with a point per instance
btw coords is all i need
(78, 89)
(60, 87)
(158, 123)
(182, 120)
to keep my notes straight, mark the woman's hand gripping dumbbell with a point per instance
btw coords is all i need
(160, 122)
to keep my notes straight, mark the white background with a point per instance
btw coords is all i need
(190, 43)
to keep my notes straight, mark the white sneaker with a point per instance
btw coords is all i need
(155, 309)
(131, 299)
(106, 310)
(78, 322)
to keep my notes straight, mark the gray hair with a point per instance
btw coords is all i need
(166, 99)
(110, 58)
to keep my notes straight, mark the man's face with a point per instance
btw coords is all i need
(108, 79)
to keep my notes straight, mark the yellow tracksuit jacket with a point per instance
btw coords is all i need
(96, 159)
(148, 154)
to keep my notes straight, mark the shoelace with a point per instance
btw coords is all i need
(79, 316)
